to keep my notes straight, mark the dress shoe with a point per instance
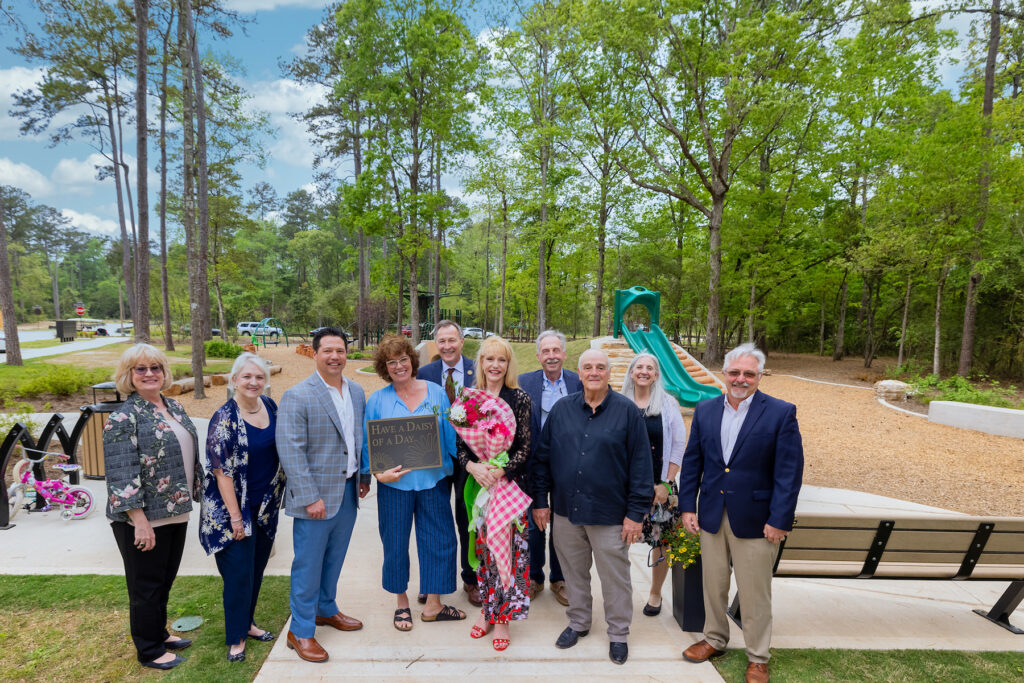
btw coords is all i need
(651, 611)
(701, 652)
(164, 666)
(558, 588)
(473, 593)
(340, 622)
(179, 644)
(757, 672)
(240, 657)
(618, 652)
(535, 587)
(265, 638)
(307, 648)
(568, 637)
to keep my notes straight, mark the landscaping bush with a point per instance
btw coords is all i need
(956, 388)
(61, 380)
(218, 348)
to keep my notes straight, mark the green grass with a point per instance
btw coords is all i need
(526, 354)
(76, 628)
(37, 376)
(888, 666)
(40, 344)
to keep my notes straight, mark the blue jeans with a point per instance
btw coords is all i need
(320, 546)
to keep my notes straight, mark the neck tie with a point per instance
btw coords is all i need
(449, 386)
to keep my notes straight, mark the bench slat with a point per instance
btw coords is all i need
(909, 570)
(850, 555)
(831, 538)
(910, 521)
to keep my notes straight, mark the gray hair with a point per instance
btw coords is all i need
(243, 360)
(448, 323)
(658, 393)
(607, 360)
(744, 350)
(550, 333)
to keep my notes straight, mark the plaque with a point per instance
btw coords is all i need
(412, 442)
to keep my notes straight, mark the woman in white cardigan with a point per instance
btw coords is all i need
(667, 435)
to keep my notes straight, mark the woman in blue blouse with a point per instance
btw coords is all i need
(241, 498)
(420, 495)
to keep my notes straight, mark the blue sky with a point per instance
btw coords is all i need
(65, 176)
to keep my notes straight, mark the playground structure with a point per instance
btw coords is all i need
(261, 332)
(683, 375)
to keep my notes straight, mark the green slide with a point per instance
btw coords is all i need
(678, 381)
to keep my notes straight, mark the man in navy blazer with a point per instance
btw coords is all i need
(452, 372)
(545, 387)
(745, 457)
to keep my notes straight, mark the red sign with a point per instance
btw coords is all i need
(79, 310)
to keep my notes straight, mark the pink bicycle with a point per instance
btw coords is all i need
(76, 502)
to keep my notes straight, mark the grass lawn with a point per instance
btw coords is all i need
(76, 628)
(526, 353)
(888, 666)
(41, 344)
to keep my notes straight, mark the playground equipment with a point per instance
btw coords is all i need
(675, 372)
(269, 327)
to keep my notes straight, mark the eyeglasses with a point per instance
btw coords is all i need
(747, 374)
(141, 370)
(398, 361)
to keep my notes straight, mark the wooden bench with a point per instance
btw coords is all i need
(948, 547)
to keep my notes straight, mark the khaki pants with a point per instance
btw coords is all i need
(752, 560)
(579, 546)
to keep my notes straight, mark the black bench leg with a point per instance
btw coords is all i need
(1001, 611)
(734, 611)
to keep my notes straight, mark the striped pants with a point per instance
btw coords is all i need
(436, 544)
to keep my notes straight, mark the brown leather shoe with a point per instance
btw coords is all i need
(558, 588)
(535, 588)
(473, 593)
(757, 672)
(421, 598)
(701, 652)
(307, 648)
(340, 622)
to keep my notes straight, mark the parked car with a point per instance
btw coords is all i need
(406, 330)
(473, 332)
(317, 329)
(246, 328)
(3, 343)
(267, 331)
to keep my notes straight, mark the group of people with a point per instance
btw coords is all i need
(594, 461)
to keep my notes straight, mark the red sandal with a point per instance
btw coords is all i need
(500, 644)
(477, 632)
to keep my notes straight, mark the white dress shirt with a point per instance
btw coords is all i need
(732, 421)
(549, 395)
(343, 406)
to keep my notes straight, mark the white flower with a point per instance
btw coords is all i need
(457, 413)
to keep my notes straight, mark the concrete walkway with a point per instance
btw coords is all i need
(873, 614)
(69, 347)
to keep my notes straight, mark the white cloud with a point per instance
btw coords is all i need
(280, 99)
(12, 79)
(78, 176)
(250, 6)
(91, 223)
(24, 177)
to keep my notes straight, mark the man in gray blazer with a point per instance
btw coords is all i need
(319, 439)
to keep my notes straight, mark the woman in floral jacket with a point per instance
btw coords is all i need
(242, 497)
(151, 458)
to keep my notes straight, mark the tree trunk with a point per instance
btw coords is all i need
(838, 352)
(974, 282)
(821, 328)
(487, 273)
(903, 325)
(126, 269)
(141, 311)
(164, 294)
(750, 309)
(188, 195)
(868, 315)
(712, 349)
(504, 264)
(54, 269)
(203, 248)
(939, 287)
(7, 298)
(602, 224)
(439, 243)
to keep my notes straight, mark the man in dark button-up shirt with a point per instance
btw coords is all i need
(595, 458)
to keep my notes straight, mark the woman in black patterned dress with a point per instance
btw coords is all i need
(497, 375)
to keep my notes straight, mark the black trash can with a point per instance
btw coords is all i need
(92, 435)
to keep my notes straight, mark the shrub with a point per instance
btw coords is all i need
(956, 388)
(62, 380)
(218, 348)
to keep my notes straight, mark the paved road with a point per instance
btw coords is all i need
(61, 349)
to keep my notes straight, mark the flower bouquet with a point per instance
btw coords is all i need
(680, 546)
(487, 425)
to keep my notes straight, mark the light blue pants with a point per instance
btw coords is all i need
(320, 546)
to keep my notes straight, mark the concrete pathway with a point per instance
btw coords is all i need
(873, 614)
(69, 347)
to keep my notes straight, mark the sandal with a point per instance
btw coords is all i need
(500, 644)
(447, 613)
(477, 632)
(403, 616)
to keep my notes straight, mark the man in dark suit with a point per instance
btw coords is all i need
(454, 371)
(545, 387)
(746, 459)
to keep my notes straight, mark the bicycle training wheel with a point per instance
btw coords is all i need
(15, 499)
(82, 505)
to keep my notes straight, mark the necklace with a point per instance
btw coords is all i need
(252, 412)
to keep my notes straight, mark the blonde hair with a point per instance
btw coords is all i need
(133, 355)
(489, 346)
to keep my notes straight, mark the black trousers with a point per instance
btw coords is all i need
(458, 480)
(149, 576)
(241, 565)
